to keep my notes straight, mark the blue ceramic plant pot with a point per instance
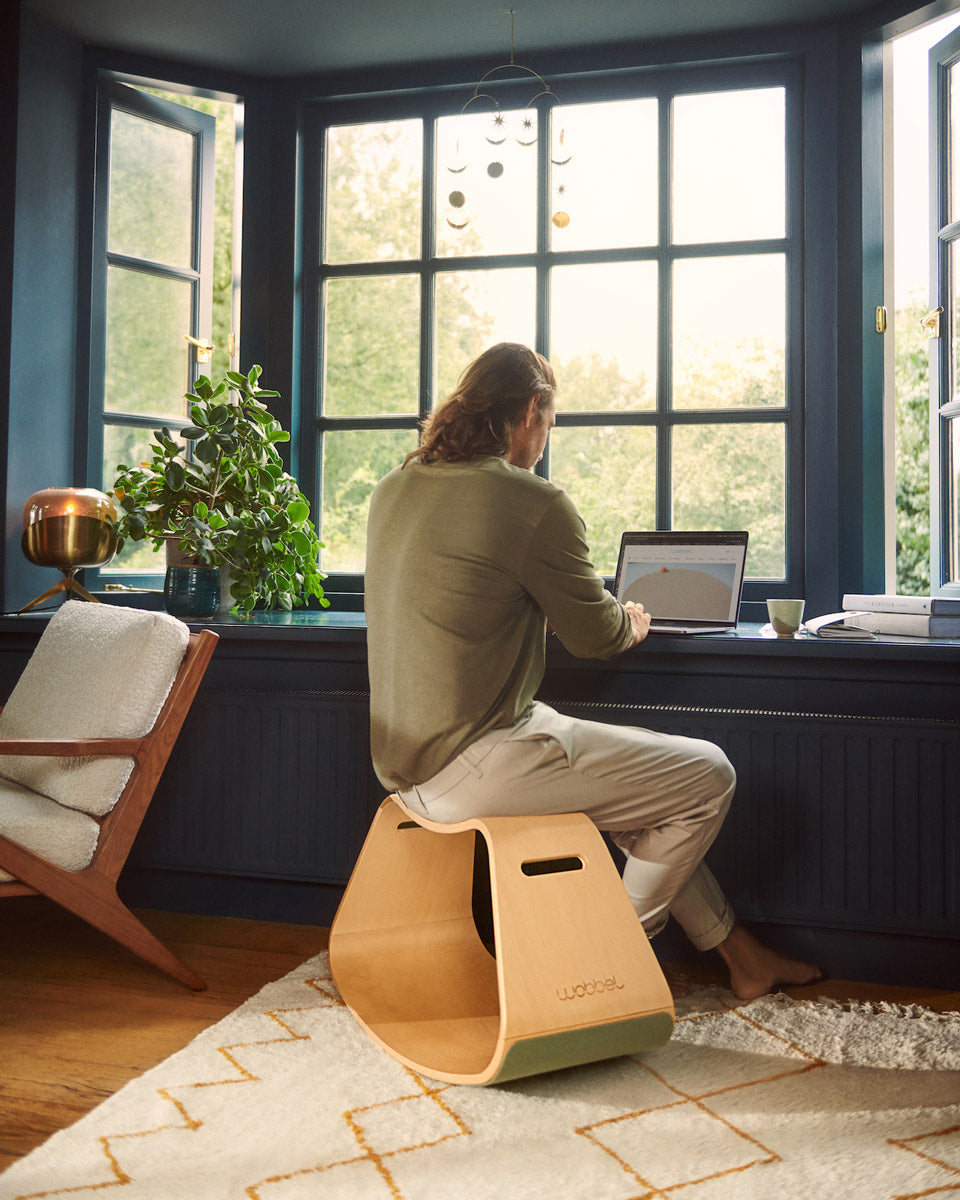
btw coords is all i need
(192, 591)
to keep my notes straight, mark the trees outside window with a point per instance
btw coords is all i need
(646, 241)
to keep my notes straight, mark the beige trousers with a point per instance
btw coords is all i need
(662, 798)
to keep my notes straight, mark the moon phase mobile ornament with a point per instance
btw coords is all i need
(528, 134)
(563, 155)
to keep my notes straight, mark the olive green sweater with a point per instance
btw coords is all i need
(464, 563)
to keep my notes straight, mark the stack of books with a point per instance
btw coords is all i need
(866, 616)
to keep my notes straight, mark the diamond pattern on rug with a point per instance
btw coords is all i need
(664, 1149)
(289, 1100)
(941, 1149)
(685, 1142)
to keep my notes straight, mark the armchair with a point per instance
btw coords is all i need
(84, 738)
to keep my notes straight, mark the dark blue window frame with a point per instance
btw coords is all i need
(663, 84)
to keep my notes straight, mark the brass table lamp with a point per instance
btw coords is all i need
(68, 528)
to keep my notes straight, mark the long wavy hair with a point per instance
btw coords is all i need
(478, 418)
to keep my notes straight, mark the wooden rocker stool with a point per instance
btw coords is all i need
(572, 978)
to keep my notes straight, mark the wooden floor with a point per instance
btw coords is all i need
(80, 1016)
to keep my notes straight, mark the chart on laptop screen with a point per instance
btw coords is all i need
(697, 580)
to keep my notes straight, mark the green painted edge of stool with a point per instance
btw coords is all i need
(573, 1047)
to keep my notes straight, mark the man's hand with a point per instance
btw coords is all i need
(639, 620)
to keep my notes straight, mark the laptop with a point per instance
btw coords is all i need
(688, 582)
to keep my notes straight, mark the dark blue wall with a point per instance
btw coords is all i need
(39, 451)
(9, 81)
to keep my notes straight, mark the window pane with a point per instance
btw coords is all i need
(729, 166)
(353, 462)
(610, 474)
(147, 358)
(476, 309)
(604, 175)
(372, 346)
(603, 338)
(124, 444)
(486, 198)
(953, 500)
(151, 190)
(953, 158)
(729, 332)
(951, 287)
(373, 191)
(733, 477)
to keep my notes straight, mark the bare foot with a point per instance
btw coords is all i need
(755, 969)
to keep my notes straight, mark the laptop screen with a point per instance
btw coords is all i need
(683, 577)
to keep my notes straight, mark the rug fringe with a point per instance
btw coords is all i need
(826, 1004)
(863, 1007)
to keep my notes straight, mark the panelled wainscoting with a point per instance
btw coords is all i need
(842, 845)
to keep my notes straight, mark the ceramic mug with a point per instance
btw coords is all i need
(785, 616)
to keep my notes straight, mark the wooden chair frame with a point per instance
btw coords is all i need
(91, 893)
(572, 978)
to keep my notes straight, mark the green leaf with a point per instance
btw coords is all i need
(175, 475)
(207, 450)
(301, 543)
(298, 511)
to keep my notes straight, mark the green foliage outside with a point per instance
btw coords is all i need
(147, 315)
(223, 218)
(725, 476)
(371, 355)
(913, 450)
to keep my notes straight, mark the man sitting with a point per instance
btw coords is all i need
(469, 557)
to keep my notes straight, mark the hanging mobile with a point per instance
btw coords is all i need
(528, 136)
(561, 218)
(459, 162)
(498, 126)
(564, 156)
(497, 135)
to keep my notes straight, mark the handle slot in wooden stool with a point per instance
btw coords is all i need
(573, 979)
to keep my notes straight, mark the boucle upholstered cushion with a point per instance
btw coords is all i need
(98, 671)
(60, 835)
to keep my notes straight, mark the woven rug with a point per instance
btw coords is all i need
(286, 1099)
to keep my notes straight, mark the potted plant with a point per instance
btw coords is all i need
(227, 503)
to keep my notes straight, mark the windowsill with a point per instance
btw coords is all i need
(748, 639)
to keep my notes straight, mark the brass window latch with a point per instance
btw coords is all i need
(930, 324)
(202, 348)
(880, 319)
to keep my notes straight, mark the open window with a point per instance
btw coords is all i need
(944, 320)
(164, 290)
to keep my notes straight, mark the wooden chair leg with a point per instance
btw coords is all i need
(93, 898)
(120, 924)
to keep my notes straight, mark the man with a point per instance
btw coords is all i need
(469, 556)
